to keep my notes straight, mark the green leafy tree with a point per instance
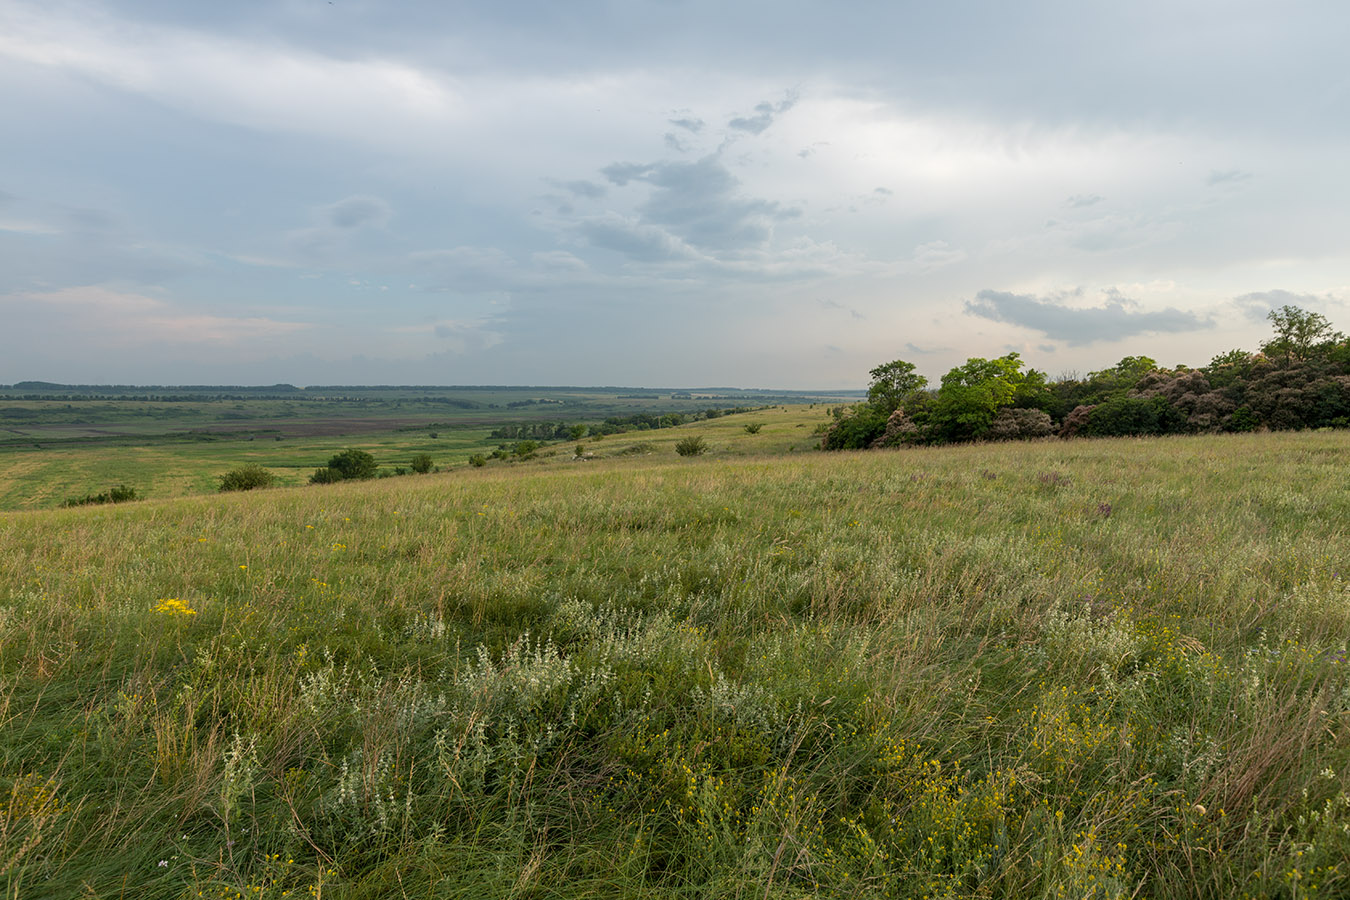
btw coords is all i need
(856, 429)
(1229, 368)
(892, 383)
(421, 463)
(972, 394)
(1299, 334)
(344, 466)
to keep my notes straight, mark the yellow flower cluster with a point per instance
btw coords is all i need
(172, 606)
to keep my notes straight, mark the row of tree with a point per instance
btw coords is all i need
(1300, 378)
(562, 431)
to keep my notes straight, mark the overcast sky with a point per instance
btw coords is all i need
(675, 193)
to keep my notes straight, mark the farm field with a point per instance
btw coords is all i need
(51, 450)
(1111, 668)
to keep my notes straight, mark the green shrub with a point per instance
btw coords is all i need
(855, 429)
(1126, 416)
(354, 464)
(347, 465)
(526, 449)
(246, 478)
(421, 463)
(477, 460)
(691, 446)
(754, 427)
(119, 494)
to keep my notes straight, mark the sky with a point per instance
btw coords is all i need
(660, 192)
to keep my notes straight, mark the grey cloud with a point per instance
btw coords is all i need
(673, 142)
(924, 351)
(622, 173)
(470, 269)
(1079, 201)
(1076, 326)
(688, 124)
(883, 191)
(1257, 305)
(355, 212)
(698, 202)
(764, 116)
(1230, 176)
(834, 304)
(588, 189)
(645, 243)
(557, 261)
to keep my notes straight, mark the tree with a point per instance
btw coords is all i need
(1298, 333)
(353, 464)
(421, 463)
(892, 383)
(972, 394)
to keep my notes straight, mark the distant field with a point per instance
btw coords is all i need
(54, 449)
(1105, 669)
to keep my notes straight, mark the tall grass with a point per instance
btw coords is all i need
(1092, 669)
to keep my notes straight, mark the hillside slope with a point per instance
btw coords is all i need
(1096, 668)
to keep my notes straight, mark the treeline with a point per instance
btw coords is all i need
(564, 431)
(1300, 378)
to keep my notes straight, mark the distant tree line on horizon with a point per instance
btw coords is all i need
(563, 431)
(1300, 378)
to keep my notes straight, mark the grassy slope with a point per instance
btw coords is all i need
(1082, 669)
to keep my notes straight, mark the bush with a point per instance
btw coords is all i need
(421, 463)
(246, 478)
(691, 446)
(477, 460)
(1128, 416)
(754, 427)
(856, 429)
(119, 494)
(347, 465)
(1013, 424)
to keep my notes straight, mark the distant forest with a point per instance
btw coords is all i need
(1300, 378)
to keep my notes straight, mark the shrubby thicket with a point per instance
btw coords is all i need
(1300, 378)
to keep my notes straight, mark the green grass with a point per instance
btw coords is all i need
(154, 449)
(1079, 669)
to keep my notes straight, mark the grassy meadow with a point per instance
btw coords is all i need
(51, 451)
(1088, 669)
